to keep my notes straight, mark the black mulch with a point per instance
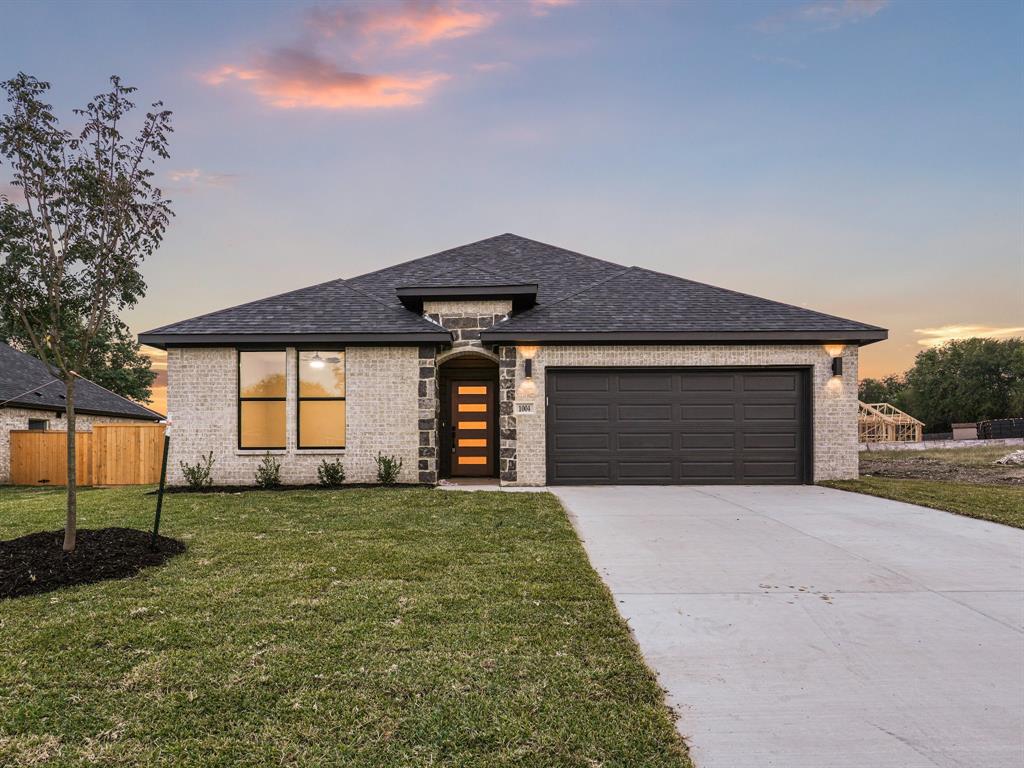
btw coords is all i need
(36, 563)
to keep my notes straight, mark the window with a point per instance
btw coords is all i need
(322, 399)
(39, 424)
(261, 400)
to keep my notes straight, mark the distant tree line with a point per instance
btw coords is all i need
(962, 381)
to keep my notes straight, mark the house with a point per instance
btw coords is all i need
(33, 398)
(512, 359)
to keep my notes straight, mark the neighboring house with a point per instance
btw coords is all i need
(33, 398)
(514, 359)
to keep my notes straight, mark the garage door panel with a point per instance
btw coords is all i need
(582, 442)
(644, 441)
(570, 413)
(771, 412)
(708, 383)
(678, 426)
(645, 382)
(646, 412)
(708, 440)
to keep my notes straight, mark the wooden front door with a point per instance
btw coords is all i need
(472, 419)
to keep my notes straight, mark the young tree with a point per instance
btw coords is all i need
(70, 254)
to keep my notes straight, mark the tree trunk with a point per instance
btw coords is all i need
(71, 524)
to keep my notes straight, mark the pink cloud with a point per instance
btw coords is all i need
(410, 24)
(544, 7)
(292, 79)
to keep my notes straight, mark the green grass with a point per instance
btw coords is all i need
(998, 503)
(981, 456)
(351, 628)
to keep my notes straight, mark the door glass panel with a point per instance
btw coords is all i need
(473, 407)
(472, 425)
(467, 390)
(472, 459)
(472, 442)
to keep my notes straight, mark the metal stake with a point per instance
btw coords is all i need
(160, 494)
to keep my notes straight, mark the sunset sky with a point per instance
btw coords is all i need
(861, 158)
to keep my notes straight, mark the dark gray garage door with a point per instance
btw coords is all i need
(674, 426)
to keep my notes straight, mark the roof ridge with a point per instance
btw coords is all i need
(540, 308)
(759, 298)
(566, 250)
(421, 258)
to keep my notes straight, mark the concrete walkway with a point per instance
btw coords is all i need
(804, 627)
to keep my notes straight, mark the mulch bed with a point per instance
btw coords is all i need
(35, 564)
(308, 487)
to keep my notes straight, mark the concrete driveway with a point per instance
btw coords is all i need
(807, 627)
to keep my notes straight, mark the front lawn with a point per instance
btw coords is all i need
(356, 628)
(998, 503)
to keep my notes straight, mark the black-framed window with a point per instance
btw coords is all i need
(261, 400)
(38, 424)
(321, 406)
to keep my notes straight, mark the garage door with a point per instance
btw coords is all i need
(675, 426)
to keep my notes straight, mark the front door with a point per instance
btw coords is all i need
(472, 419)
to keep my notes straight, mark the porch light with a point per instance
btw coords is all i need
(528, 368)
(837, 366)
(317, 361)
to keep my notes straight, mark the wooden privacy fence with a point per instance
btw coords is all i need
(112, 454)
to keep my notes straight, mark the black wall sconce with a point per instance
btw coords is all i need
(837, 366)
(528, 368)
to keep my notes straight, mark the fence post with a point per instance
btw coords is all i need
(160, 493)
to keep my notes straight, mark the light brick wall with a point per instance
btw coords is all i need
(834, 400)
(17, 418)
(382, 414)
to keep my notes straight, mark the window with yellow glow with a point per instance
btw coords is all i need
(321, 399)
(470, 390)
(261, 399)
(472, 407)
(472, 425)
(472, 459)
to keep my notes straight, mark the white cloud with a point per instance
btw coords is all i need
(936, 337)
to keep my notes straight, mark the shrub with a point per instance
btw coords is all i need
(331, 473)
(200, 474)
(388, 469)
(268, 473)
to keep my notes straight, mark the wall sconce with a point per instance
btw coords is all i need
(837, 366)
(528, 368)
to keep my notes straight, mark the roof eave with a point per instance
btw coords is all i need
(858, 337)
(59, 409)
(165, 340)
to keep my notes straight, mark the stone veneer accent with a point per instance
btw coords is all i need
(507, 371)
(428, 412)
(833, 400)
(465, 319)
(382, 414)
(17, 418)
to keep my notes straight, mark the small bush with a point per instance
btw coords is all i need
(268, 473)
(200, 474)
(331, 473)
(388, 469)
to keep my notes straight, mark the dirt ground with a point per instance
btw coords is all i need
(957, 465)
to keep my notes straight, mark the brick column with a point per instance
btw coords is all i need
(506, 413)
(428, 406)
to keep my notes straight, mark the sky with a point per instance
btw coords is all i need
(859, 158)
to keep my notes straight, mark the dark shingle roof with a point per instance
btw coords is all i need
(576, 294)
(329, 308)
(637, 300)
(20, 373)
(556, 271)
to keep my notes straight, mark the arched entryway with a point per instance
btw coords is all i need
(468, 399)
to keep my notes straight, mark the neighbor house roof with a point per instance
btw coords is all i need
(26, 382)
(578, 298)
